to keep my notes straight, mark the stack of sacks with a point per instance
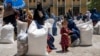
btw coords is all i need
(86, 30)
(7, 34)
(37, 40)
(21, 26)
(22, 44)
(97, 28)
(78, 21)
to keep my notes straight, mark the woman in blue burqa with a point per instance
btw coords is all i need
(75, 31)
(39, 18)
(95, 16)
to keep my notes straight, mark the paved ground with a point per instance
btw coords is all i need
(79, 51)
(93, 50)
(11, 49)
(8, 49)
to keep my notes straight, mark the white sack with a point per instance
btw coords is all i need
(86, 31)
(7, 34)
(59, 24)
(21, 26)
(22, 44)
(1, 20)
(78, 21)
(51, 22)
(37, 40)
(76, 43)
(97, 28)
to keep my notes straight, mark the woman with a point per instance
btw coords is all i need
(39, 15)
(39, 18)
(9, 16)
(75, 31)
(94, 16)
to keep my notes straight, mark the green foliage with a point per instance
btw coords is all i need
(94, 4)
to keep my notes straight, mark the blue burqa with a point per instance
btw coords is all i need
(76, 33)
(17, 4)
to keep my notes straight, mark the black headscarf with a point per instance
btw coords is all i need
(40, 20)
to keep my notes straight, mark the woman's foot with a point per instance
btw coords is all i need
(66, 50)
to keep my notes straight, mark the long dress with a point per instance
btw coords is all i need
(64, 38)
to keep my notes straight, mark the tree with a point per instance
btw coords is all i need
(95, 4)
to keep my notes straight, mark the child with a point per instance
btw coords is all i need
(65, 38)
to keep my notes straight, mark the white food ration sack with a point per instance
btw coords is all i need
(86, 33)
(76, 43)
(51, 22)
(1, 23)
(37, 40)
(59, 24)
(22, 44)
(78, 21)
(97, 28)
(21, 26)
(7, 34)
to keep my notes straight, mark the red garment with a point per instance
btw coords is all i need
(48, 48)
(64, 38)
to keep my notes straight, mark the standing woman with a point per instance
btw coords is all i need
(39, 18)
(9, 16)
(39, 14)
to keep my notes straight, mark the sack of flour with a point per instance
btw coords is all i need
(37, 40)
(22, 44)
(97, 28)
(21, 26)
(50, 20)
(75, 43)
(7, 34)
(86, 34)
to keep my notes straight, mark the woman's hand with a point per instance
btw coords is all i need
(65, 34)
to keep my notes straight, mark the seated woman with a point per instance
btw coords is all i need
(75, 31)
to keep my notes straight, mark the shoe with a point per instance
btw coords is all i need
(54, 48)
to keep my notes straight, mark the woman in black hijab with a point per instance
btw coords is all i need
(39, 15)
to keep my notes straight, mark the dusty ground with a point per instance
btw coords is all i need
(8, 49)
(93, 50)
